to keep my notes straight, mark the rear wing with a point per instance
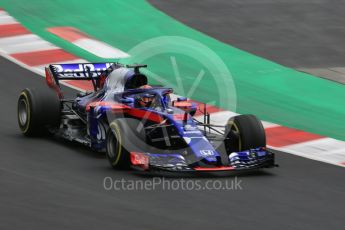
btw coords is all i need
(95, 72)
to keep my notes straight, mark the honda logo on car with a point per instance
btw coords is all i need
(206, 153)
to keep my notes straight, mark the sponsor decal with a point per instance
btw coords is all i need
(80, 70)
(206, 153)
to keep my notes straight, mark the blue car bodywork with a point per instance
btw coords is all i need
(174, 138)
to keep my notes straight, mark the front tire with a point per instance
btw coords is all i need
(244, 132)
(38, 109)
(124, 136)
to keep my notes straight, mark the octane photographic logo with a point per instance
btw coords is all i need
(169, 184)
(193, 71)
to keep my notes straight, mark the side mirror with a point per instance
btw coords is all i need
(127, 100)
(181, 99)
(188, 107)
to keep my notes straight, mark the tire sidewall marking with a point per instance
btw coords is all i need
(114, 128)
(27, 105)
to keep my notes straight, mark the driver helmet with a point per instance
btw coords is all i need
(145, 100)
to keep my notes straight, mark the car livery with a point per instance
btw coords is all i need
(138, 125)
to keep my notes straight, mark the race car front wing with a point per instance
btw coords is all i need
(244, 160)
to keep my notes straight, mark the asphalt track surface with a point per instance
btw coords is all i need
(52, 184)
(295, 33)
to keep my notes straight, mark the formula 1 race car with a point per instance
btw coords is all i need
(138, 125)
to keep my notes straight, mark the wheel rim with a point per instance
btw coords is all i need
(112, 146)
(234, 144)
(23, 112)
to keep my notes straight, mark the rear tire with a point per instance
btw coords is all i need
(38, 109)
(124, 135)
(244, 132)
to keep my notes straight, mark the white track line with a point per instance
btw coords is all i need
(99, 48)
(6, 19)
(19, 39)
(326, 149)
(29, 46)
